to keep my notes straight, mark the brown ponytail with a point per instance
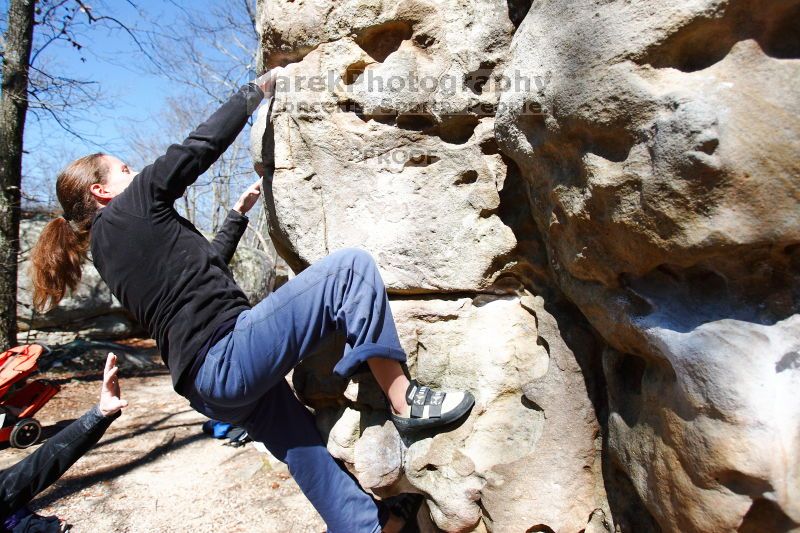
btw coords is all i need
(62, 247)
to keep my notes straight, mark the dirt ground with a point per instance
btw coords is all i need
(155, 470)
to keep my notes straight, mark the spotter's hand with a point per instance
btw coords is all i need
(110, 401)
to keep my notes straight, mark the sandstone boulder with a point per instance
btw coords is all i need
(509, 465)
(595, 229)
(663, 162)
(360, 163)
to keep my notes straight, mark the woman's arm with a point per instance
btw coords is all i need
(229, 235)
(227, 238)
(168, 176)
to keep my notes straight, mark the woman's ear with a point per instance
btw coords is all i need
(99, 192)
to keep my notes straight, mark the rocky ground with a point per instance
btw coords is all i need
(155, 470)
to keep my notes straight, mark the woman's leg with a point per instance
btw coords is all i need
(391, 378)
(342, 291)
(287, 429)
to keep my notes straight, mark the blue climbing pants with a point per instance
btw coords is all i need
(242, 380)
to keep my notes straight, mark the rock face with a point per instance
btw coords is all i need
(589, 216)
(379, 172)
(665, 178)
(92, 312)
(510, 352)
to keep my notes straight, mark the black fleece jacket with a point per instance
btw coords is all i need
(158, 265)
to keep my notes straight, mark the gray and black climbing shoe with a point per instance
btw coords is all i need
(431, 408)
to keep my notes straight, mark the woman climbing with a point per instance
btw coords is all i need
(227, 357)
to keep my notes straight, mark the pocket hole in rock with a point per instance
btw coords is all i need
(423, 40)
(349, 106)
(631, 371)
(466, 177)
(706, 41)
(415, 121)
(354, 71)
(458, 129)
(517, 9)
(765, 515)
(475, 80)
(489, 146)
(421, 160)
(381, 40)
(387, 117)
(540, 528)
(781, 36)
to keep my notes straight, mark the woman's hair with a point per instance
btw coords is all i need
(62, 247)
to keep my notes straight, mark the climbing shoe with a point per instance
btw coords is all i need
(431, 408)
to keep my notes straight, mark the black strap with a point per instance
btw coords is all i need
(421, 398)
(435, 409)
(411, 390)
(418, 396)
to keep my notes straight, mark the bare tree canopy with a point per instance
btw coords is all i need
(209, 51)
(58, 94)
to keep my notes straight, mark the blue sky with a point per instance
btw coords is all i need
(111, 59)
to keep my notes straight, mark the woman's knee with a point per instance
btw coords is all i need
(361, 264)
(359, 258)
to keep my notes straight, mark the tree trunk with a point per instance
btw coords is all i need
(13, 107)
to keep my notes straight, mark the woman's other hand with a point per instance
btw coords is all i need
(248, 198)
(267, 81)
(110, 401)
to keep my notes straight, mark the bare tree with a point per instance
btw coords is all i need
(210, 51)
(13, 108)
